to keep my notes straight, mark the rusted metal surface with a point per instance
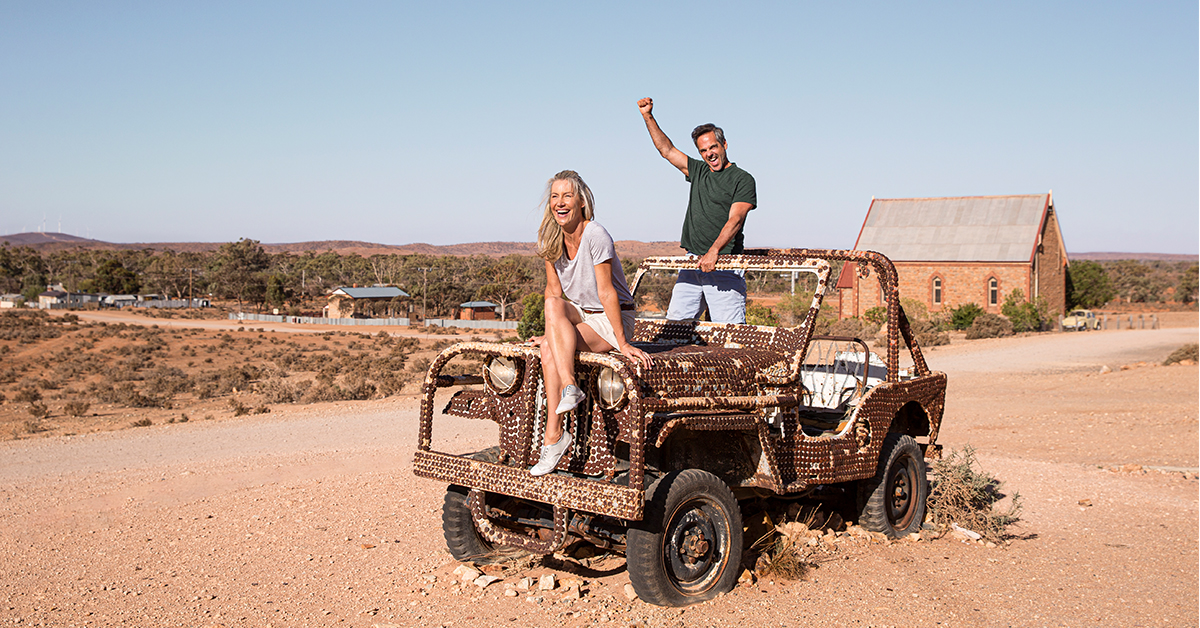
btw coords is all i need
(725, 397)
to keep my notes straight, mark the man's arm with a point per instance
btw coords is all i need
(660, 139)
(737, 216)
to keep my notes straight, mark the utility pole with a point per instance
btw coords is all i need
(425, 294)
(191, 295)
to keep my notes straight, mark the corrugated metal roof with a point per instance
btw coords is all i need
(479, 304)
(967, 228)
(381, 292)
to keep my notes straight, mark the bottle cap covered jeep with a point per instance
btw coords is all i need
(662, 456)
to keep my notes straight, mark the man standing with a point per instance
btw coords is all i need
(722, 195)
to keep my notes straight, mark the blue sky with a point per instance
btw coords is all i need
(440, 122)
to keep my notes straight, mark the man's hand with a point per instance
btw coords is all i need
(709, 261)
(646, 106)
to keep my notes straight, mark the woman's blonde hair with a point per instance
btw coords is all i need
(550, 235)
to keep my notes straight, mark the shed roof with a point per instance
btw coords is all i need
(478, 304)
(374, 292)
(962, 229)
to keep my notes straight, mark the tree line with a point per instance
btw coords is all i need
(244, 272)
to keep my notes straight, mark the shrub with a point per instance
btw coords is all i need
(1186, 352)
(928, 334)
(533, 316)
(759, 314)
(1023, 315)
(962, 316)
(963, 494)
(38, 410)
(238, 408)
(853, 327)
(914, 309)
(142, 423)
(989, 325)
(28, 394)
(877, 315)
(76, 408)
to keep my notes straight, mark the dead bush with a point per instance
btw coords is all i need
(963, 494)
(928, 334)
(28, 394)
(39, 410)
(988, 325)
(238, 408)
(854, 328)
(142, 423)
(76, 408)
(1186, 352)
(357, 388)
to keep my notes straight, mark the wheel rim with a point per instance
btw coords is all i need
(901, 493)
(696, 545)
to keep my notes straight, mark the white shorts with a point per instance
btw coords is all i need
(599, 323)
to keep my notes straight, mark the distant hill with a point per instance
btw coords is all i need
(629, 249)
(1141, 257)
(48, 242)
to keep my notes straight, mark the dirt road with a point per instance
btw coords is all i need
(311, 516)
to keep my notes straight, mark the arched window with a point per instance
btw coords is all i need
(937, 290)
(993, 291)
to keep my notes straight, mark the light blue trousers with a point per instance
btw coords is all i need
(722, 291)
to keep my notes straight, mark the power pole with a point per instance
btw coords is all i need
(191, 295)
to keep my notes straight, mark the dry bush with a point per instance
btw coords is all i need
(76, 408)
(357, 388)
(277, 390)
(853, 327)
(32, 427)
(963, 494)
(27, 394)
(928, 333)
(142, 423)
(127, 394)
(1186, 352)
(39, 410)
(238, 408)
(988, 325)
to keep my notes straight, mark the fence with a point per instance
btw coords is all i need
(453, 322)
(318, 320)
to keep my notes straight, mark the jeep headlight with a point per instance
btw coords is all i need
(502, 374)
(611, 388)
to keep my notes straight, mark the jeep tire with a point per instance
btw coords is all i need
(688, 546)
(894, 501)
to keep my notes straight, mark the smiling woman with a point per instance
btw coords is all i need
(597, 313)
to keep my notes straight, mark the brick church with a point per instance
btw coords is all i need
(970, 249)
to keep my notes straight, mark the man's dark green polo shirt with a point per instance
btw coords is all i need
(713, 193)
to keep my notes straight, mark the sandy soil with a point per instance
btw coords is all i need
(309, 516)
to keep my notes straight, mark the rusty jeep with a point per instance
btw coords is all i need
(662, 456)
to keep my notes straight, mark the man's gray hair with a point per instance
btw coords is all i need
(708, 128)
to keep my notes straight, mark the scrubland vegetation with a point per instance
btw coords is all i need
(64, 375)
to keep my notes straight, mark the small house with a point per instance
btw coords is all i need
(477, 311)
(350, 302)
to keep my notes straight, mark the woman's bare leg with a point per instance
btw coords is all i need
(558, 364)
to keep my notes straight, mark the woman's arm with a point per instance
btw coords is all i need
(553, 285)
(612, 310)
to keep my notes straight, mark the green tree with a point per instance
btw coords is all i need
(114, 278)
(505, 280)
(1088, 285)
(533, 316)
(277, 293)
(237, 270)
(1185, 291)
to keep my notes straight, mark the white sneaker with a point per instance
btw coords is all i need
(571, 397)
(551, 454)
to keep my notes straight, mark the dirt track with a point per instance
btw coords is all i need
(311, 517)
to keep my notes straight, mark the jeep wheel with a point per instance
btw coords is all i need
(688, 547)
(893, 502)
(462, 539)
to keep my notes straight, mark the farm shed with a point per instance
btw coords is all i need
(969, 249)
(477, 311)
(346, 302)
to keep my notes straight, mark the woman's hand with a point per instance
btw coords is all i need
(637, 355)
(535, 340)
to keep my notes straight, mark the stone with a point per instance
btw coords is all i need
(572, 594)
(913, 537)
(1086, 503)
(546, 582)
(835, 523)
(965, 533)
(1105, 369)
(511, 593)
(483, 581)
(570, 581)
(525, 583)
(630, 594)
(746, 578)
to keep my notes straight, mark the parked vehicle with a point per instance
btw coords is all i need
(1080, 320)
(662, 456)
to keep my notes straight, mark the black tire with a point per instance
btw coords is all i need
(894, 501)
(462, 539)
(688, 546)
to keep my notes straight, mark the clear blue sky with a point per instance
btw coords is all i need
(440, 122)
